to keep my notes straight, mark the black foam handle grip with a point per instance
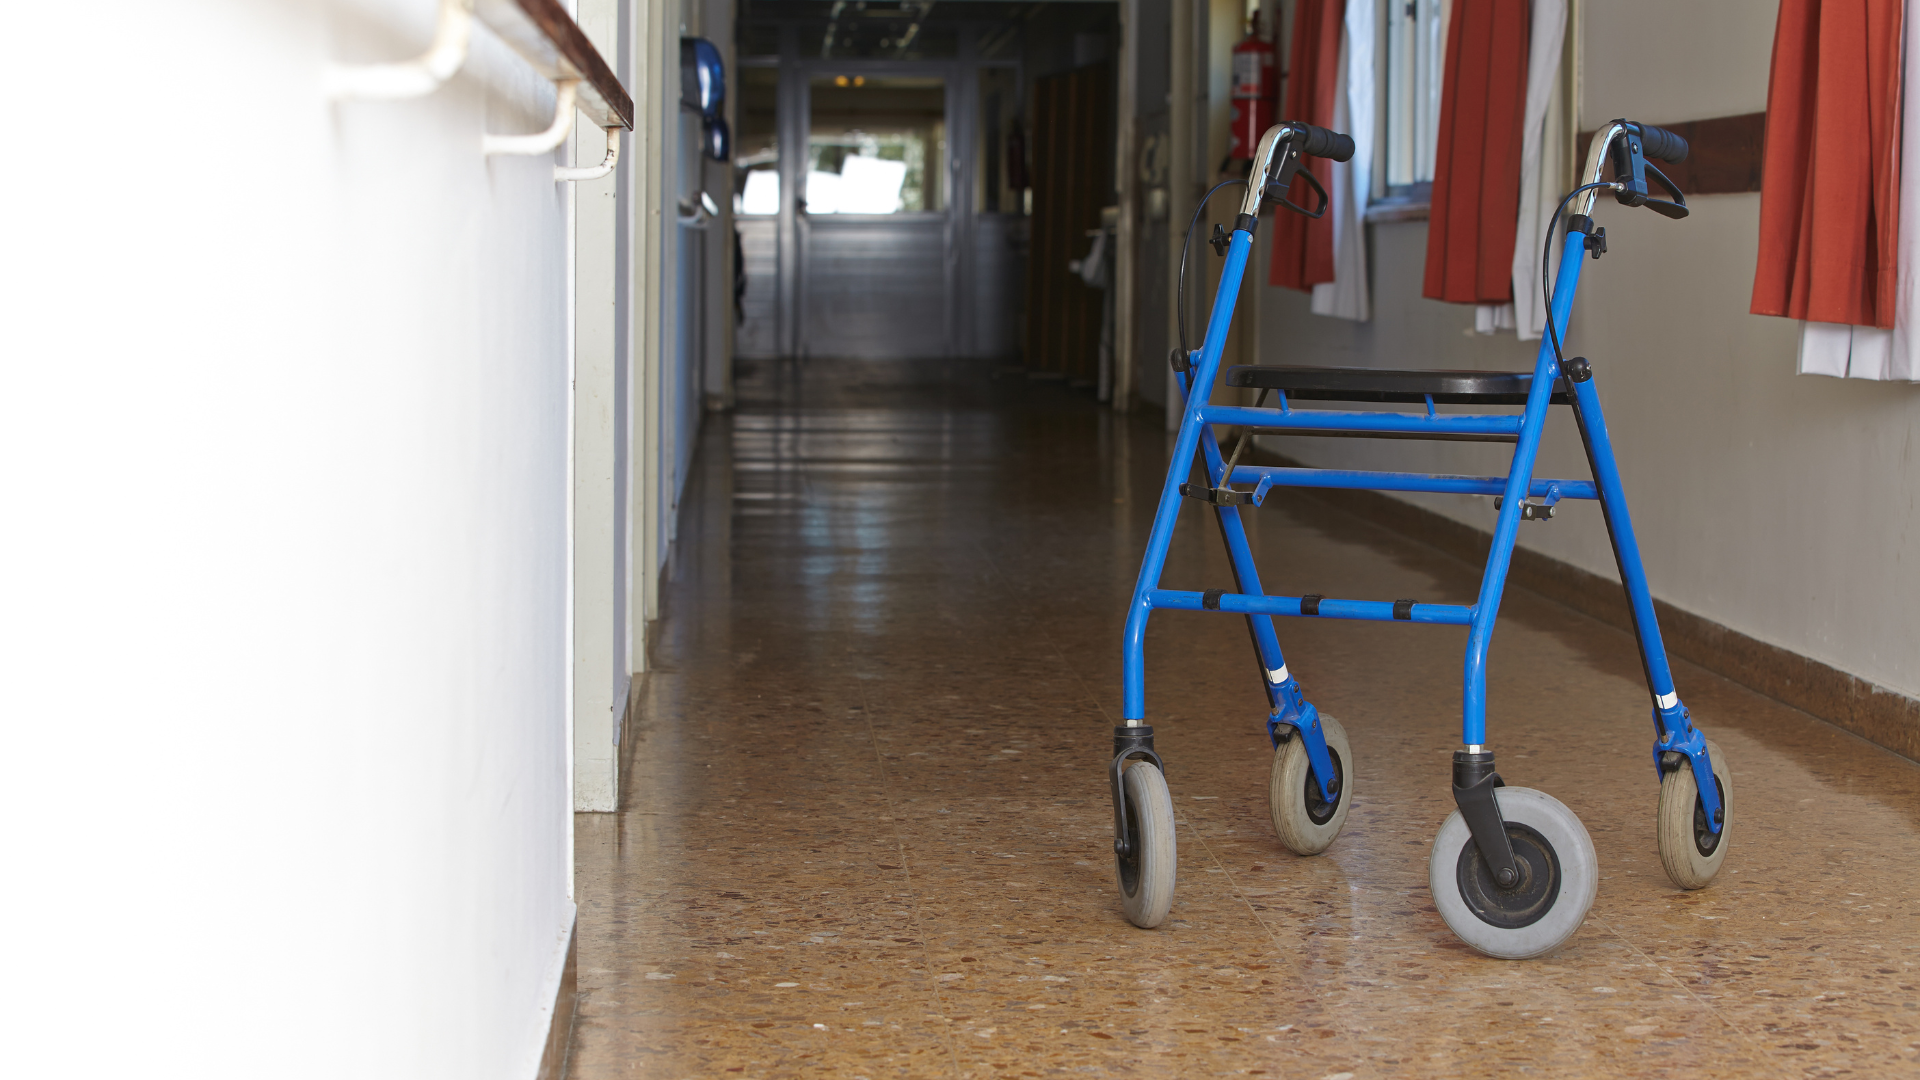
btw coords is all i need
(1323, 143)
(1661, 143)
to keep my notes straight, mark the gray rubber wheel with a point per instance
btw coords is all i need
(1559, 877)
(1146, 873)
(1306, 822)
(1692, 852)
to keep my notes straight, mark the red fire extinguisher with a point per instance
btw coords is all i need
(1254, 84)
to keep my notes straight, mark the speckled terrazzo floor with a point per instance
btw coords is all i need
(867, 831)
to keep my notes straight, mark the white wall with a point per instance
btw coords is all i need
(283, 441)
(716, 23)
(682, 324)
(662, 401)
(599, 657)
(656, 94)
(1779, 505)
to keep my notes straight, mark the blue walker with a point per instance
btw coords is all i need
(1512, 870)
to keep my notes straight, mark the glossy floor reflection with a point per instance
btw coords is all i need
(867, 830)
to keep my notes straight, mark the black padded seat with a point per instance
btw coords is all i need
(1380, 384)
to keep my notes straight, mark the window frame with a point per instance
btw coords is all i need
(1402, 197)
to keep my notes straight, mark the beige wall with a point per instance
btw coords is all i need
(1780, 505)
(1673, 60)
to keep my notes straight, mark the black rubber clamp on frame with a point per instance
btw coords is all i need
(1210, 599)
(1246, 223)
(1310, 604)
(1128, 743)
(1473, 784)
(1403, 610)
(1216, 496)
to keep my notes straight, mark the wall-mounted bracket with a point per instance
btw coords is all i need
(695, 215)
(544, 35)
(410, 78)
(556, 133)
(594, 172)
(547, 38)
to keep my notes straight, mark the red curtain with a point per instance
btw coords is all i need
(1476, 168)
(1830, 176)
(1302, 246)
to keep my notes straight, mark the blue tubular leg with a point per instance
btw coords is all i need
(1671, 719)
(1266, 643)
(1233, 531)
(1133, 695)
(1473, 711)
(1289, 707)
(1473, 778)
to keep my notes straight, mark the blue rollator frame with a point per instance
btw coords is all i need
(1679, 742)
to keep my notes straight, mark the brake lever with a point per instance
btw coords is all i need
(1277, 191)
(1676, 209)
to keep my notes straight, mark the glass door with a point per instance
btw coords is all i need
(756, 213)
(874, 215)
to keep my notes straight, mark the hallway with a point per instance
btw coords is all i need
(865, 829)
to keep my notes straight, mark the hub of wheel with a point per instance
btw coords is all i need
(1522, 903)
(1127, 855)
(1319, 809)
(1705, 839)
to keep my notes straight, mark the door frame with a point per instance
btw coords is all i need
(797, 110)
(794, 110)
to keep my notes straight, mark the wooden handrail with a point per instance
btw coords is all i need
(1725, 157)
(546, 37)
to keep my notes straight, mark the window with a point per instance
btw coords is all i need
(876, 145)
(1416, 32)
(756, 147)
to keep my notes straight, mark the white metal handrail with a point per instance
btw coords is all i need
(546, 37)
(410, 78)
(594, 172)
(545, 141)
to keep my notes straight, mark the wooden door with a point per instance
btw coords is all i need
(1072, 155)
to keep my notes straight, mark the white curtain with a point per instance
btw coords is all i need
(1350, 183)
(1542, 183)
(1872, 352)
(1544, 140)
(1864, 352)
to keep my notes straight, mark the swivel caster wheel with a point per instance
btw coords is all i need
(1689, 849)
(1146, 870)
(1305, 821)
(1558, 878)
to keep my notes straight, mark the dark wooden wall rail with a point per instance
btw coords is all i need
(1723, 153)
(545, 36)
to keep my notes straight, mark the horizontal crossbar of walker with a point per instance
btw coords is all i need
(1327, 608)
(1329, 420)
(1392, 481)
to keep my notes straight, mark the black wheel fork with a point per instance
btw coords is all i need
(1128, 743)
(1473, 784)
